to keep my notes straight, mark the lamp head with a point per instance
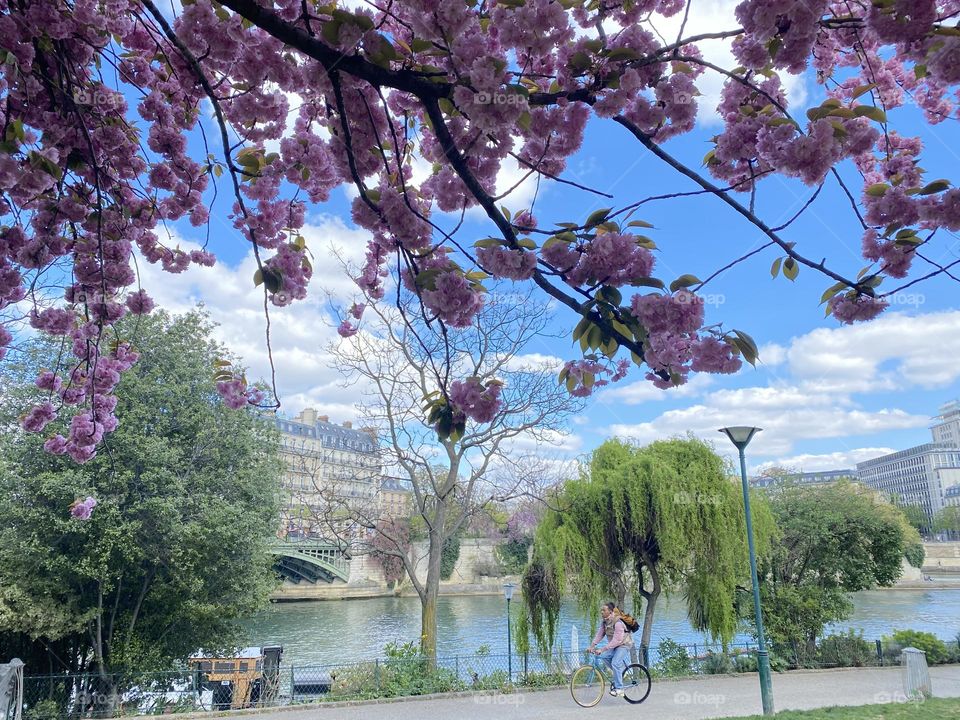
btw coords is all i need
(508, 591)
(740, 435)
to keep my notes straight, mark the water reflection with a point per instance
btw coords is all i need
(346, 631)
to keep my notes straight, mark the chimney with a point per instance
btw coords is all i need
(371, 431)
(324, 418)
(308, 416)
(347, 424)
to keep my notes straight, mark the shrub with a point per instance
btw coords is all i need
(717, 664)
(487, 568)
(43, 710)
(449, 555)
(674, 660)
(846, 650)
(512, 553)
(935, 648)
(746, 663)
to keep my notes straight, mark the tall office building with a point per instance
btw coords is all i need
(918, 476)
(946, 427)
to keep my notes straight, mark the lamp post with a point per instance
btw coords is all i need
(741, 436)
(508, 594)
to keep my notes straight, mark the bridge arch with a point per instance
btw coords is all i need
(310, 561)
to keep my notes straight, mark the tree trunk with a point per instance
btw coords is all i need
(428, 600)
(650, 597)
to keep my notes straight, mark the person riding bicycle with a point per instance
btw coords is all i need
(616, 652)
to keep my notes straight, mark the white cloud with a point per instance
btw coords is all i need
(299, 332)
(644, 391)
(772, 355)
(895, 351)
(787, 414)
(534, 361)
(815, 394)
(839, 460)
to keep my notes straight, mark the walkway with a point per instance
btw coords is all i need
(689, 699)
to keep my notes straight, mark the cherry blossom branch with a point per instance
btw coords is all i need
(648, 143)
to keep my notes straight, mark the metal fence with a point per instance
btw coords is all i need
(55, 697)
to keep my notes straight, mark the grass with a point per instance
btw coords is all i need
(934, 709)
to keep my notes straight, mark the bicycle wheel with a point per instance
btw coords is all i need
(636, 683)
(587, 686)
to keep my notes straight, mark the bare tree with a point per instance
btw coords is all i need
(398, 363)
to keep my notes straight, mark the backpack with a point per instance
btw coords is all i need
(630, 623)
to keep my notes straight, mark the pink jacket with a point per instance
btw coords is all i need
(620, 635)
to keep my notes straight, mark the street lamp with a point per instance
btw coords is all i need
(508, 594)
(741, 437)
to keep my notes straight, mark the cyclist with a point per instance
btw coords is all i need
(616, 652)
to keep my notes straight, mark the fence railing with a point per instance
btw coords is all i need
(59, 697)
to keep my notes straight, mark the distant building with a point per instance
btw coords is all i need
(821, 477)
(951, 496)
(918, 476)
(325, 465)
(395, 494)
(946, 427)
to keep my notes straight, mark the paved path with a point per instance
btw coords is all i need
(689, 699)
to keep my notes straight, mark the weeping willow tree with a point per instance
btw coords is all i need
(644, 520)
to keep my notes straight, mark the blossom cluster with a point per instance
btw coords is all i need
(94, 166)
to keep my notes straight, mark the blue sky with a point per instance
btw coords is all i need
(828, 396)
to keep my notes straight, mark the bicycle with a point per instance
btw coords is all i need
(588, 684)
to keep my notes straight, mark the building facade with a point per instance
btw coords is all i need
(951, 496)
(918, 476)
(946, 426)
(329, 470)
(821, 477)
(395, 496)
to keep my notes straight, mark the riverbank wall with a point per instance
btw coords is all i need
(477, 556)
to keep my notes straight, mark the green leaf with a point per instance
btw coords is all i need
(869, 111)
(791, 269)
(775, 268)
(919, 71)
(527, 243)
(490, 242)
(877, 190)
(639, 223)
(597, 216)
(581, 328)
(862, 90)
(272, 279)
(476, 275)
(648, 282)
(747, 346)
(684, 281)
(623, 54)
(831, 291)
(934, 187)
(427, 279)
(330, 31)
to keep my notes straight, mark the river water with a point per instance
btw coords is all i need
(334, 632)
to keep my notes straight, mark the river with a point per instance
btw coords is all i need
(333, 632)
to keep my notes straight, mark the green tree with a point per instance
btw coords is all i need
(176, 549)
(914, 514)
(644, 520)
(834, 540)
(948, 520)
